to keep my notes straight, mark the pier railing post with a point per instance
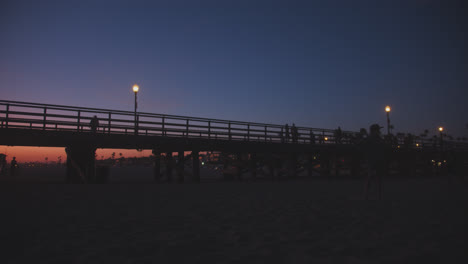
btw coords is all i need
(109, 124)
(229, 130)
(78, 120)
(6, 115)
(44, 120)
(195, 166)
(209, 129)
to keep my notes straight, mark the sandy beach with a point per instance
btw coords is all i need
(297, 221)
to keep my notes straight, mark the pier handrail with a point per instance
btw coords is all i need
(27, 115)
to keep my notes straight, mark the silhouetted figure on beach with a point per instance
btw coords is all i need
(374, 147)
(338, 135)
(294, 133)
(13, 167)
(281, 136)
(94, 124)
(312, 137)
(286, 133)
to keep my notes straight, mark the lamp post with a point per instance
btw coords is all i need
(135, 91)
(441, 129)
(388, 109)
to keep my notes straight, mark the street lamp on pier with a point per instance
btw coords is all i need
(441, 129)
(136, 88)
(388, 109)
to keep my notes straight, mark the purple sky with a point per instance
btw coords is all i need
(336, 63)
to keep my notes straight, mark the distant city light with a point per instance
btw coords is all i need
(417, 144)
(387, 109)
(441, 129)
(326, 138)
(136, 88)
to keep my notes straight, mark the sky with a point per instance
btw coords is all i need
(319, 64)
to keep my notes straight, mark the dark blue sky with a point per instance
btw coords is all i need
(316, 64)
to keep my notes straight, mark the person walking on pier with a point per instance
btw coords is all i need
(294, 133)
(281, 136)
(338, 135)
(286, 132)
(312, 137)
(94, 124)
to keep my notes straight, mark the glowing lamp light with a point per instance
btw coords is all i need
(417, 144)
(326, 138)
(136, 88)
(441, 129)
(387, 109)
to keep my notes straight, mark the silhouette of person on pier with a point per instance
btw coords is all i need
(13, 167)
(281, 136)
(94, 124)
(312, 137)
(294, 133)
(338, 135)
(375, 150)
(286, 132)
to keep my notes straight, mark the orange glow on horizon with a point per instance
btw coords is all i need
(38, 154)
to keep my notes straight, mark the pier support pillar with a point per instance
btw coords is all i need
(239, 166)
(180, 167)
(81, 164)
(325, 165)
(157, 165)
(196, 166)
(169, 162)
(271, 166)
(355, 166)
(292, 165)
(253, 165)
(310, 165)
